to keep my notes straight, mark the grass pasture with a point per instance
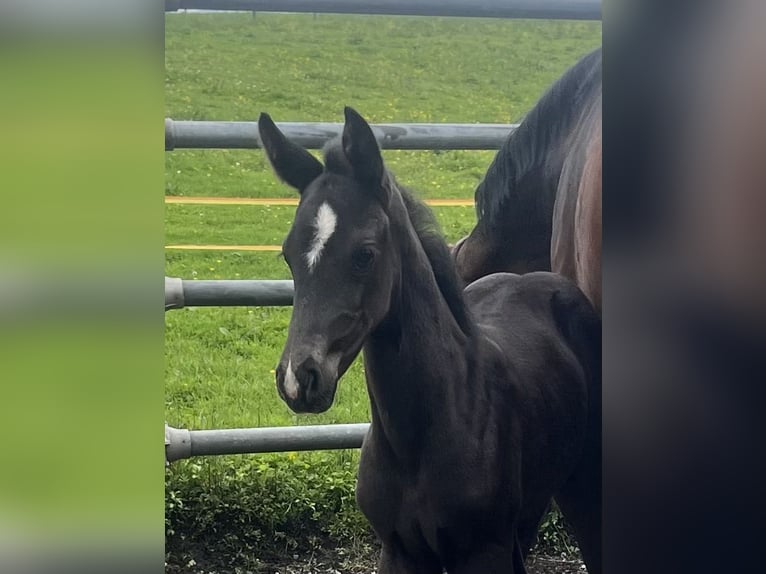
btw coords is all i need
(219, 362)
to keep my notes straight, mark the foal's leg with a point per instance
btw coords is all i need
(580, 497)
(393, 560)
(580, 503)
(492, 559)
(529, 525)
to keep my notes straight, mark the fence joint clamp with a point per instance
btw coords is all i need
(177, 444)
(174, 293)
(170, 135)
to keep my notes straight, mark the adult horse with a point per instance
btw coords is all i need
(485, 403)
(539, 205)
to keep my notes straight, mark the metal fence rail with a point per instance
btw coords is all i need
(182, 134)
(536, 9)
(180, 293)
(182, 443)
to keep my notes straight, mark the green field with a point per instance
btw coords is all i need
(219, 362)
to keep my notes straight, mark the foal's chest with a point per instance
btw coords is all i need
(424, 507)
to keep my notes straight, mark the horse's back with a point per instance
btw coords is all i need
(546, 329)
(543, 325)
(539, 300)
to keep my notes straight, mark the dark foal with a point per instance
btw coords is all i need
(482, 400)
(539, 204)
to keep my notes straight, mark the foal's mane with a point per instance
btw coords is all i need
(532, 146)
(428, 231)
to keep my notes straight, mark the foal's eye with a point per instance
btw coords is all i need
(362, 258)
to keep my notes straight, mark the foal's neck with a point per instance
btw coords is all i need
(417, 360)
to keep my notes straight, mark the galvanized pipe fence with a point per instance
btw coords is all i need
(182, 134)
(180, 293)
(183, 443)
(532, 9)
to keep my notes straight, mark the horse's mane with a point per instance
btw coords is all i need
(533, 147)
(428, 231)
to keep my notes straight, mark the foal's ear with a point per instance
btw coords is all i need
(292, 164)
(362, 150)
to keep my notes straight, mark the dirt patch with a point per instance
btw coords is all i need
(550, 565)
(338, 564)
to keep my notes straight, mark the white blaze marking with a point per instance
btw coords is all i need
(291, 383)
(324, 225)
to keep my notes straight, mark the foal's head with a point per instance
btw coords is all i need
(341, 255)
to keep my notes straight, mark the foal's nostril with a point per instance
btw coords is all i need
(312, 381)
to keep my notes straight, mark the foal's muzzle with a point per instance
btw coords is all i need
(306, 386)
